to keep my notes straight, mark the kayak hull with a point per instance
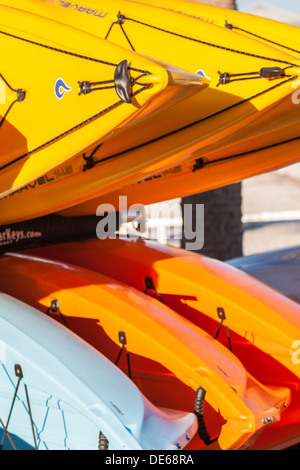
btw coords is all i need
(263, 325)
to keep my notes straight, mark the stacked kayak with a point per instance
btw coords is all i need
(57, 392)
(255, 322)
(244, 119)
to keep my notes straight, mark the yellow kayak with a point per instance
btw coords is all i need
(63, 96)
(279, 35)
(247, 107)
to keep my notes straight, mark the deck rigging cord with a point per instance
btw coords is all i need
(122, 18)
(21, 94)
(19, 375)
(230, 26)
(265, 72)
(121, 82)
(120, 21)
(150, 286)
(54, 308)
(73, 54)
(89, 160)
(8, 435)
(222, 317)
(200, 163)
(123, 342)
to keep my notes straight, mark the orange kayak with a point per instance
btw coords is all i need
(259, 324)
(188, 178)
(170, 359)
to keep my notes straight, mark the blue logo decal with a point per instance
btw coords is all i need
(61, 88)
(202, 73)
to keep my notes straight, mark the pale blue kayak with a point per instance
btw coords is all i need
(57, 392)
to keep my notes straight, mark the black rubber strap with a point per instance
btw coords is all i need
(199, 412)
(103, 442)
(249, 152)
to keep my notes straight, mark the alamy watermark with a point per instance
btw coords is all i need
(137, 222)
